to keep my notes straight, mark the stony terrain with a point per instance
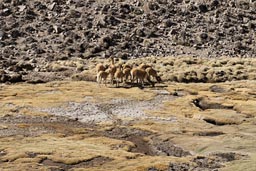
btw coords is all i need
(34, 33)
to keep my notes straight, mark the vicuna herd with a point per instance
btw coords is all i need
(120, 73)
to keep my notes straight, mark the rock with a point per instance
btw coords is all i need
(153, 6)
(36, 81)
(6, 12)
(179, 1)
(214, 3)
(30, 29)
(2, 72)
(18, 2)
(57, 29)
(22, 8)
(62, 58)
(106, 41)
(1, 35)
(4, 78)
(238, 45)
(16, 33)
(202, 8)
(178, 166)
(96, 49)
(74, 14)
(123, 56)
(25, 66)
(203, 37)
(51, 6)
(38, 5)
(15, 77)
(30, 15)
(125, 8)
(169, 23)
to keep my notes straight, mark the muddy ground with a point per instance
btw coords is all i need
(78, 125)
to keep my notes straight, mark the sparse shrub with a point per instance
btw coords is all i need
(193, 79)
(192, 76)
(237, 72)
(160, 69)
(231, 63)
(181, 77)
(56, 68)
(179, 63)
(201, 76)
(239, 66)
(190, 61)
(252, 76)
(198, 60)
(209, 75)
(251, 69)
(172, 77)
(230, 78)
(247, 63)
(84, 76)
(216, 78)
(235, 62)
(223, 62)
(253, 63)
(169, 63)
(80, 67)
(167, 69)
(220, 76)
(229, 70)
(216, 64)
(242, 77)
(205, 69)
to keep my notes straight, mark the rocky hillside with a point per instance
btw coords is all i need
(33, 33)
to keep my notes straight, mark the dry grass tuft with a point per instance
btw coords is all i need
(84, 76)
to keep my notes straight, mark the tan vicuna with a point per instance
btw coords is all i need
(119, 75)
(127, 74)
(112, 60)
(112, 70)
(126, 66)
(101, 67)
(102, 76)
(143, 66)
(153, 73)
(139, 75)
